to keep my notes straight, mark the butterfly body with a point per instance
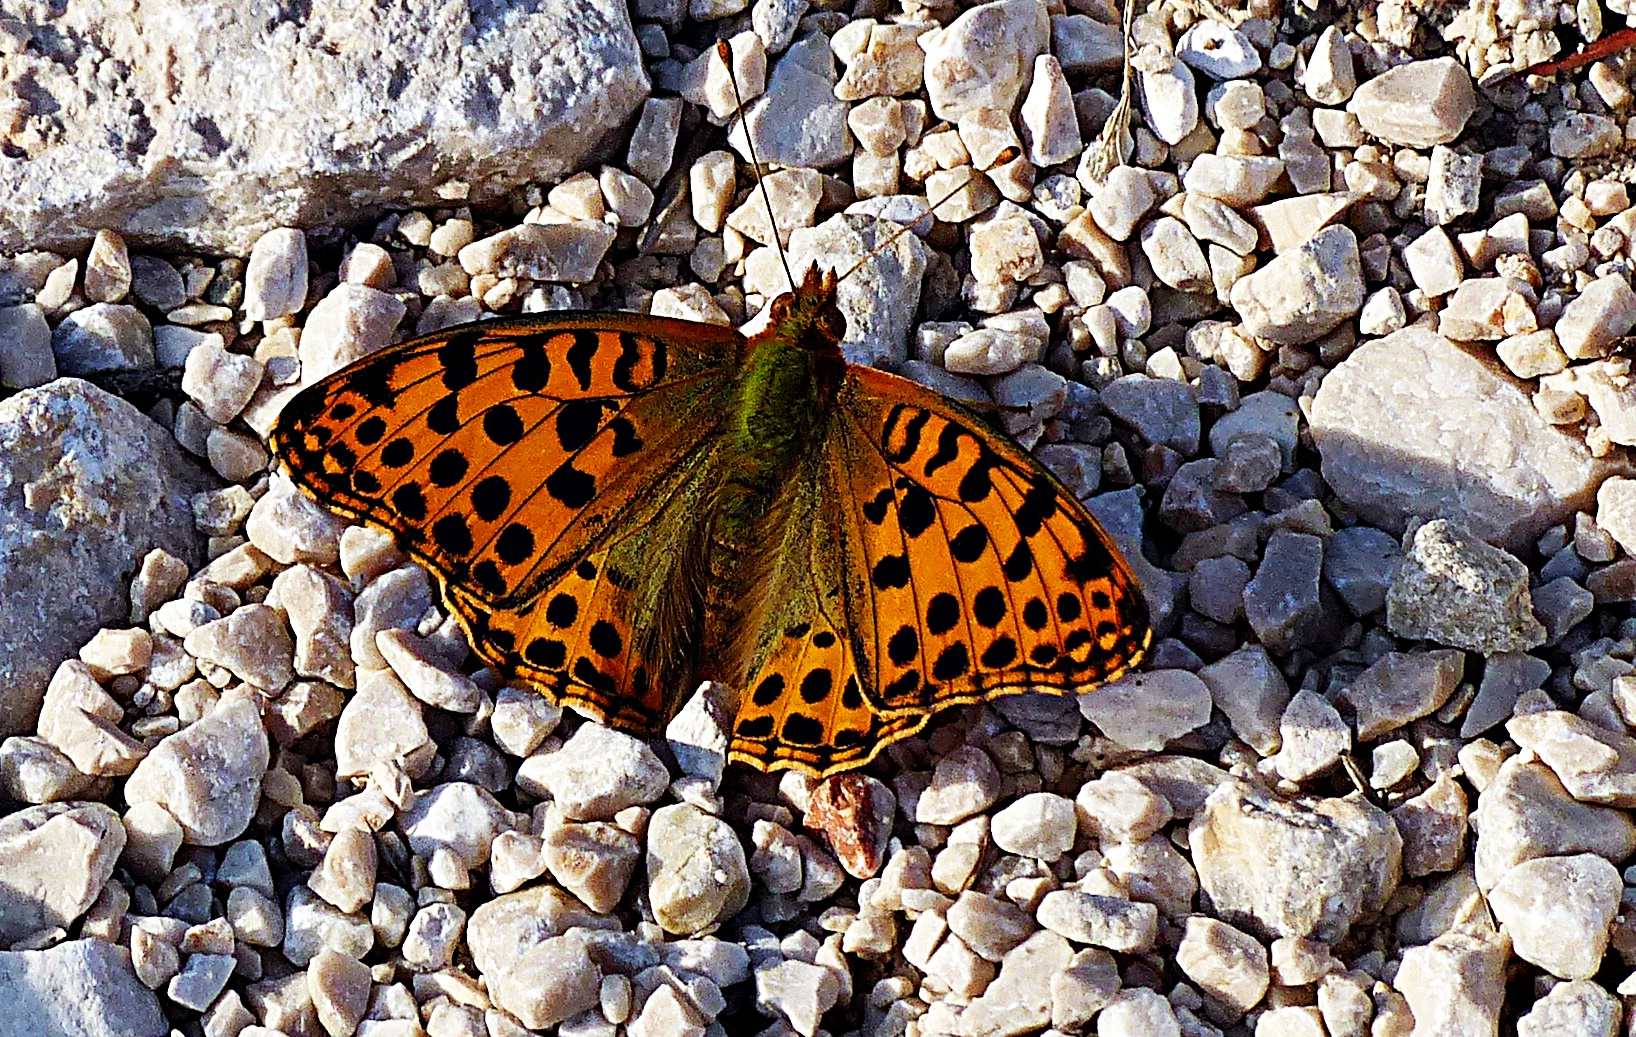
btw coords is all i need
(620, 506)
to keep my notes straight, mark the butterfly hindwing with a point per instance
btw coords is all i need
(517, 459)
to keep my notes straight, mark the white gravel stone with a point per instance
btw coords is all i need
(1236, 180)
(55, 861)
(1169, 98)
(1302, 295)
(457, 816)
(1218, 50)
(1050, 128)
(1603, 312)
(207, 776)
(983, 59)
(275, 280)
(697, 873)
(1294, 868)
(599, 772)
(1330, 77)
(1558, 910)
(964, 783)
(1112, 923)
(1117, 808)
(1525, 813)
(1041, 825)
(1312, 737)
(349, 323)
(1416, 104)
(548, 983)
(1227, 964)
(1580, 1007)
(382, 724)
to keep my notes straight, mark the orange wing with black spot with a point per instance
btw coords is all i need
(944, 566)
(536, 466)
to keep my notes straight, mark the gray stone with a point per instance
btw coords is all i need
(173, 152)
(1456, 590)
(1401, 687)
(1252, 692)
(1161, 410)
(1283, 601)
(1358, 566)
(88, 486)
(83, 988)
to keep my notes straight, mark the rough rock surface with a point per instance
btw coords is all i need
(172, 151)
(88, 487)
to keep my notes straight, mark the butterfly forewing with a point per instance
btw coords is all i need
(513, 458)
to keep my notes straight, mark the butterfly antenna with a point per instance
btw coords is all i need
(725, 53)
(1006, 155)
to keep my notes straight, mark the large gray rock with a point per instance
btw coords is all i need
(85, 988)
(88, 485)
(210, 147)
(1412, 424)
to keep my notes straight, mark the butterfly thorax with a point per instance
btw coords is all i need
(781, 403)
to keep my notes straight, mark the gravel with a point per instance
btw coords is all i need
(1336, 352)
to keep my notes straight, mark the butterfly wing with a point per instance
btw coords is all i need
(535, 465)
(944, 566)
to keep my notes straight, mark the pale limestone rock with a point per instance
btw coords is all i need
(1413, 425)
(1294, 868)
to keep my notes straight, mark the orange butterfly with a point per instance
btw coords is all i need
(620, 506)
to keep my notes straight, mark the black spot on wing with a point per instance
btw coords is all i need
(1003, 652)
(952, 663)
(630, 355)
(1035, 614)
(365, 483)
(580, 355)
(562, 611)
(816, 686)
(491, 497)
(626, 441)
(988, 607)
(1019, 563)
(967, 545)
(447, 468)
(605, 639)
(409, 501)
(768, 691)
(344, 410)
(443, 417)
(916, 512)
(942, 613)
(907, 434)
(370, 430)
(373, 383)
(755, 727)
(1038, 504)
(458, 359)
(515, 545)
(570, 487)
(578, 422)
(451, 534)
(587, 674)
(904, 686)
(823, 639)
(903, 646)
(978, 481)
(876, 508)
(546, 652)
(891, 572)
(1068, 607)
(851, 697)
(487, 576)
(532, 370)
(800, 729)
(948, 448)
(502, 425)
(397, 453)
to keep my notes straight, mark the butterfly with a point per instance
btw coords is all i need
(620, 506)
